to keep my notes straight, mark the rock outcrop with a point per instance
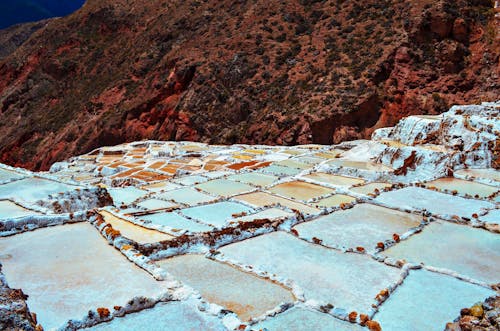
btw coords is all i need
(465, 136)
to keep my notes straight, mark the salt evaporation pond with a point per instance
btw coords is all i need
(8, 209)
(348, 281)
(216, 214)
(176, 221)
(33, 189)
(224, 187)
(262, 199)
(435, 202)
(254, 178)
(426, 300)
(300, 190)
(178, 316)
(135, 232)
(303, 319)
(463, 187)
(334, 179)
(364, 225)
(245, 294)
(468, 251)
(187, 195)
(68, 270)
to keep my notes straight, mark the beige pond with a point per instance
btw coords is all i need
(134, 232)
(334, 179)
(334, 201)
(300, 190)
(463, 187)
(245, 294)
(371, 188)
(67, 270)
(364, 225)
(262, 199)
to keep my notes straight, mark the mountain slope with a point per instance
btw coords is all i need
(271, 72)
(13, 37)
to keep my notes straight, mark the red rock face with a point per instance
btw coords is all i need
(270, 72)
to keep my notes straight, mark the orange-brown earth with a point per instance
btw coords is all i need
(272, 72)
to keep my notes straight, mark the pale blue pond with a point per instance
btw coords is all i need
(126, 195)
(302, 319)
(187, 195)
(224, 187)
(280, 170)
(346, 280)
(466, 250)
(9, 209)
(427, 301)
(33, 189)
(216, 214)
(154, 204)
(435, 202)
(179, 316)
(190, 180)
(176, 221)
(7, 175)
(254, 178)
(493, 216)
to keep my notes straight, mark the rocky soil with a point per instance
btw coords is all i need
(14, 313)
(13, 37)
(480, 317)
(271, 72)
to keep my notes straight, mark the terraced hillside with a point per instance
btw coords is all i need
(271, 72)
(401, 232)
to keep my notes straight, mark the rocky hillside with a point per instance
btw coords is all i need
(274, 72)
(13, 37)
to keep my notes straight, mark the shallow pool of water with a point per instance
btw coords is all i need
(300, 190)
(68, 270)
(334, 201)
(435, 202)
(8, 175)
(245, 294)
(280, 170)
(187, 195)
(156, 204)
(348, 281)
(176, 221)
(364, 225)
(427, 301)
(254, 178)
(125, 195)
(493, 216)
(190, 180)
(161, 186)
(371, 188)
(164, 316)
(463, 187)
(8, 209)
(334, 179)
(224, 187)
(271, 214)
(481, 173)
(262, 199)
(33, 189)
(292, 163)
(466, 250)
(134, 232)
(303, 319)
(360, 165)
(216, 214)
